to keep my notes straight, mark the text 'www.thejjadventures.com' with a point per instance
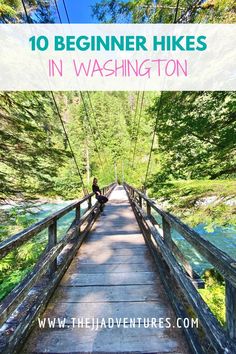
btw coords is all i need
(125, 322)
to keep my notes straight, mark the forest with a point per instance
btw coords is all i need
(177, 146)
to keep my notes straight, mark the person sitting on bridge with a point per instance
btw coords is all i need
(101, 198)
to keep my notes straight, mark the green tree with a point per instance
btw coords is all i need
(196, 133)
(30, 152)
(153, 11)
(38, 11)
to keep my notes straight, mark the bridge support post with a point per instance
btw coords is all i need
(52, 241)
(132, 193)
(77, 216)
(148, 209)
(167, 233)
(230, 293)
(140, 201)
(89, 202)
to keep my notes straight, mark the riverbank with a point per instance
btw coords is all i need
(197, 201)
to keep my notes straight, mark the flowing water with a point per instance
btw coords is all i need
(222, 237)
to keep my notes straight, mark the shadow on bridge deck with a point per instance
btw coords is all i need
(112, 278)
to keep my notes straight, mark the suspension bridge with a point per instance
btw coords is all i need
(116, 283)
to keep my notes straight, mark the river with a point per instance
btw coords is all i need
(222, 237)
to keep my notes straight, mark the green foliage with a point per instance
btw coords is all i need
(149, 11)
(217, 11)
(186, 148)
(18, 263)
(9, 10)
(30, 144)
(214, 294)
(191, 201)
(138, 11)
(39, 11)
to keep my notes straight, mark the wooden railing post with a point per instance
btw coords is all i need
(148, 209)
(166, 232)
(89, 202)
(230, 293)
(140, 201)
(52, 241)
(77, 216)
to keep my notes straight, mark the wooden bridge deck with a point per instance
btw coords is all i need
(112, 276)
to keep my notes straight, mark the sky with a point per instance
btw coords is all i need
(79, 11)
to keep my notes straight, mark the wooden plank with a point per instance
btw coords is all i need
(19, 324)
(132, 278)
(167, 280)
(113, 258)
(109, 268)
(99, 245)
(124, 296)
(134, 240)
(208, 320)
(160, 309)
(96, 294)
(111, 253)
(107, 341)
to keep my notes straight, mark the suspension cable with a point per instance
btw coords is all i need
(91, 129)
(28, 18)
(138, 127)
(190, 9)
(65, 7)
(69, 143)
(95, 120)
(84, 104)
(83, 101)
(58, 12)
(90, 102)
(176, 10)
(158, 110)
(133, 120)
(61, 120)
(135, 114)
(153, 139)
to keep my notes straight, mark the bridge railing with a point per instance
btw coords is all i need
(178, 275)
(37, 287)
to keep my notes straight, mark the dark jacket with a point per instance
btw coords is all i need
(96, 190)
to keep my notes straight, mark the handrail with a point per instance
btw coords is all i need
(25, 235)
(34, 291)
(166, 254)
(225, 264)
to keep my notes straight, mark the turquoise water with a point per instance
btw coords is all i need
(44, 210)
(223, 238)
